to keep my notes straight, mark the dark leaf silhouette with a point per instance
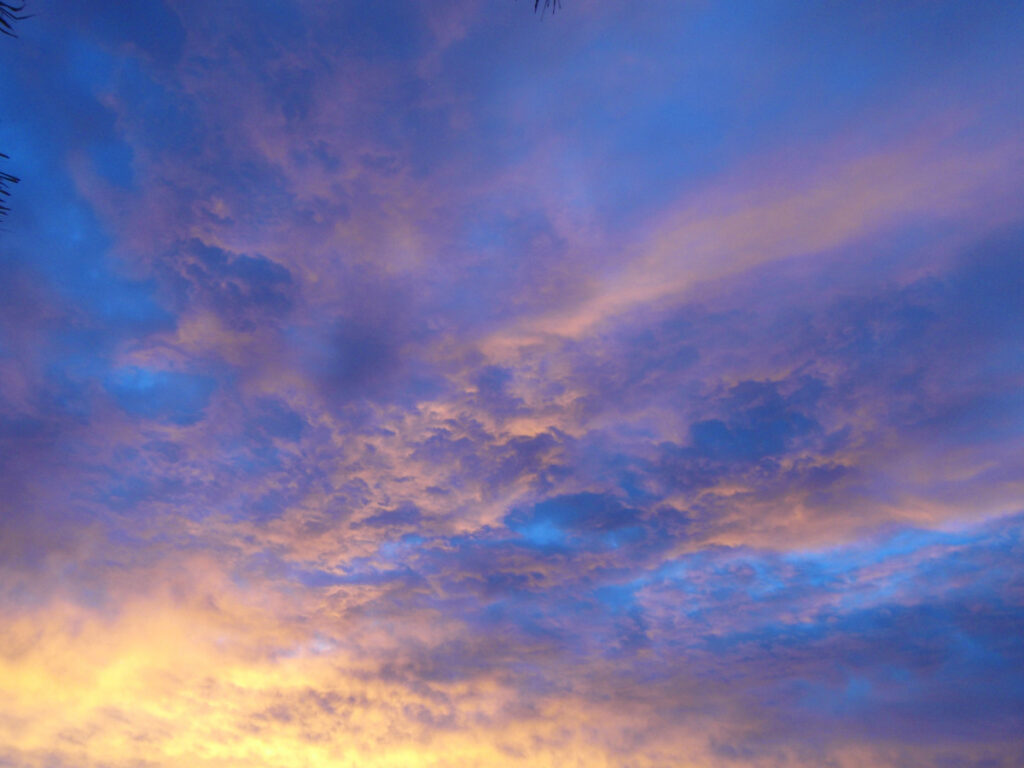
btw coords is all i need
(10, 13)
(554, 5)
(6, 180)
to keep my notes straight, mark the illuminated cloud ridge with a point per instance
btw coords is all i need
(439, 384)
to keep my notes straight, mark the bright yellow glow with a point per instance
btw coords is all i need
(175, 685)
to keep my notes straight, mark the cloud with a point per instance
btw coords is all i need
(245, 291)
(384, 384)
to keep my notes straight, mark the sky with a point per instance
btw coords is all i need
(431, 383)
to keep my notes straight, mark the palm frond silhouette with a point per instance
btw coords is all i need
(6, 180)
(10, 13)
